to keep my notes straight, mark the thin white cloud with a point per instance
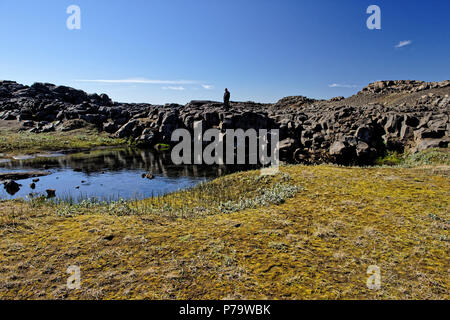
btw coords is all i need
(403, 43)
(207, 86)
(339, 85)
(179, 88)
(140, 81)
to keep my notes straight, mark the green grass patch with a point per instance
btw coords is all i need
(390, 159)
(25, 142)
(428, 158)
(424, 158)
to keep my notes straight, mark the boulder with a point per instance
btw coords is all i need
(126, 130)
(93, 118)
(338, 148)
(364, 134)
(429, 134)
(48, 128)
(28, 124)
(287, 147)
(406, 132)
(110, 127)
(148, 176)
(169, 123)
(431, 143)
(148, 138)
(11, 187)
(211, 118)
(51, 193)
(365, 153)
(10, 115)
(392, 143)
(393, 123)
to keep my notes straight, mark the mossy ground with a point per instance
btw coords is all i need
(317, 244)
(13, 142)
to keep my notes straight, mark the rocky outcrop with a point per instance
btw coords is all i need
(404, 86)
(352, 130)
(294, 101)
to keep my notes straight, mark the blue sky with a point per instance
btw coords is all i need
(161, 51)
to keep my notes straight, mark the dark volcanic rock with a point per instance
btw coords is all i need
(11, 187)
(386, 115)
(109, 127)
(338, 148)
(127, 129)
(51, 193)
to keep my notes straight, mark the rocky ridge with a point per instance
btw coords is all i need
(386, 115)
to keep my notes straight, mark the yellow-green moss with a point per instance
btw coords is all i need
(316, 245)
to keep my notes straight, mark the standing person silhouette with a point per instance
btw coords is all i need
(226, 99)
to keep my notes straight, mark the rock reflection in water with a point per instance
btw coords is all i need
(11, 187)
(112, 173)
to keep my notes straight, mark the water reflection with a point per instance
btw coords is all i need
(12, 187)
(109, 174)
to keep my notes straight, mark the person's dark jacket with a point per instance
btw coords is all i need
(226, 97)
